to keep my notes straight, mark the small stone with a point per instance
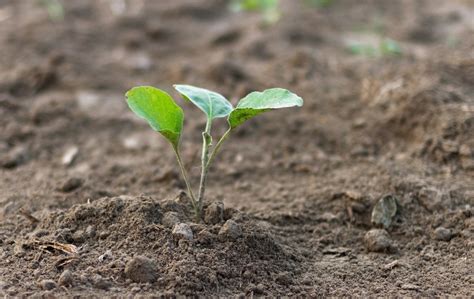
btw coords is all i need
(205, 237)
(141, 269)
(410, 286)
(107, 256)
(182, 230)
(391, 265)
(48, 284)
(442, 234)
(104, 234)
(214, 213)
(71, 184)
(90, 231)
(384, 211)
(101, 283)
(66, 278)
(430, 198)
(377, 240)
(353, 194)
(40, 233)
(78, 236)
(170, 219)
(230, 229)
(69, 155)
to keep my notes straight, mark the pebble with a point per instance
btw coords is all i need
(430, 198)
(106, 256)
(384, 211)
(409, 286)
(69, 155)
(378, 240)
(141, 269)
(90, 231)
(442, 234)
(79, 236)
(231, 229)
(71, 184)
(214, 213)
(66, 278)
(101, 283)
(48, 284)
(182, 230)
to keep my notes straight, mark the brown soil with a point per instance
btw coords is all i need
(90, 197)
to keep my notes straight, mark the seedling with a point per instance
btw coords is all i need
(164, 116)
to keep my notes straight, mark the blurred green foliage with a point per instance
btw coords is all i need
(386, 47)
(55, 9)
(268, 8)
(320, 3)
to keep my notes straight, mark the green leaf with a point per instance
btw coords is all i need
(210, 102)
(159, 110)
(258, 102)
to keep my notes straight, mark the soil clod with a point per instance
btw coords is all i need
(141, 269)
(48, 284)
(66, 278)
(442, 234)
(71, 184)
(182, 230)
(378, 240)
(230, 229)
(214, 213)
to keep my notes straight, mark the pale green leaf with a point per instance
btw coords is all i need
(211, 103)
(259, 102)
(159, 110)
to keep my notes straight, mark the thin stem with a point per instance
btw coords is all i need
(186, 180)
(206, 144)
(217, 147)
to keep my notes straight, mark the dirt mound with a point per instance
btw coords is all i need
(157, 246)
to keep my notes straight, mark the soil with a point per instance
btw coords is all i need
(91, 200)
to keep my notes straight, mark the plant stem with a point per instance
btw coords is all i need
(186, 180)
(206, 144)
(217, 147)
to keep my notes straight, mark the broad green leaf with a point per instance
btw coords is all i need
(210, 102)
(258, 102)
(159, 110)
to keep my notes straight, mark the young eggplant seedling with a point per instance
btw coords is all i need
(162, 113)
